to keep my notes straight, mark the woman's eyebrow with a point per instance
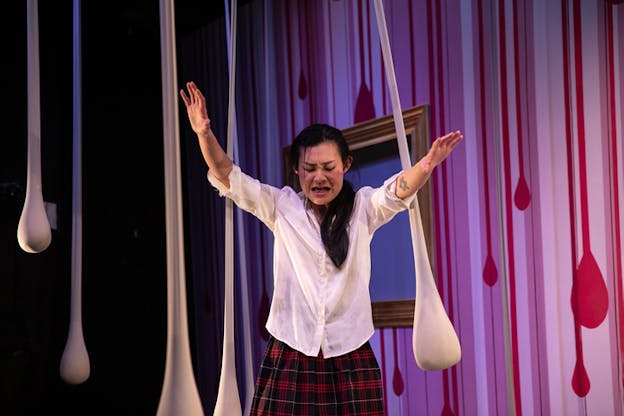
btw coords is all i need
(322, 163)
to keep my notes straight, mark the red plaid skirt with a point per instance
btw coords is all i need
(292, 383)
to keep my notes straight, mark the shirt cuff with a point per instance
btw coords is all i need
(233, 177)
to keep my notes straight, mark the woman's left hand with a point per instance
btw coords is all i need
(440, 149)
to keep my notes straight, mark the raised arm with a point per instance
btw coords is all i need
(216, 159)
(415, 177)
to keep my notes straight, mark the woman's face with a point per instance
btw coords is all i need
(321, 172)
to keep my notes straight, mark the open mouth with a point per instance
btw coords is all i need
(320, 190)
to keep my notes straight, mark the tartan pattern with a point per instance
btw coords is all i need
(292, 383)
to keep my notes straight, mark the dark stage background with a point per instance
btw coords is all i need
(124, 258)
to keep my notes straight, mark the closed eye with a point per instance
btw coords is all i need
(325, 165)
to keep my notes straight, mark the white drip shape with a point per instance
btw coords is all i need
(75, 366)
(33, 231)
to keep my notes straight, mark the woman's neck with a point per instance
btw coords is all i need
(318, 210)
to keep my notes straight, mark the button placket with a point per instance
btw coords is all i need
(323, 286)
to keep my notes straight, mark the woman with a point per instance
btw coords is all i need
(318, 359)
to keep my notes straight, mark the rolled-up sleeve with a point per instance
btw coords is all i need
(385, 204)
(248, 194)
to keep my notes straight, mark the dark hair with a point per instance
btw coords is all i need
(334, 225)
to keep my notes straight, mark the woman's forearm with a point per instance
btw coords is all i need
(411, 180)
(217, 160)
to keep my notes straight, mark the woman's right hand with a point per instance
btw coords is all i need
(196, 109)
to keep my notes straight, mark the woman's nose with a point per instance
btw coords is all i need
(319, 176)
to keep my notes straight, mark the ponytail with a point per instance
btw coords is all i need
(334, 225)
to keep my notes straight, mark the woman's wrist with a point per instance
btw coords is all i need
(205, 133)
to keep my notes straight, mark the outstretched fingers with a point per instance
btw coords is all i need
(190, 98)
(448, 142)
(185, 98)
(443, 146)
(194, 95)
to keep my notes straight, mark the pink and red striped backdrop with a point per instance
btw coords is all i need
(528, 210)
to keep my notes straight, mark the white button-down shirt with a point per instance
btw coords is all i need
(315, 305)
